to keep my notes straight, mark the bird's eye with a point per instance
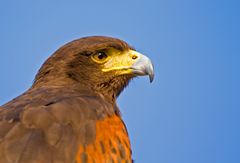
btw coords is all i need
(99, 57)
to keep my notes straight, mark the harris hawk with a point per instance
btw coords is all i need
(70, 115)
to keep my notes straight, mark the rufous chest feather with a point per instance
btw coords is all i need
(111, 144)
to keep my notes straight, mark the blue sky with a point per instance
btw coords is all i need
(190, 113)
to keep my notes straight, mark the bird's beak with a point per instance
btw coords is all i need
(143, 66)
(130, 62)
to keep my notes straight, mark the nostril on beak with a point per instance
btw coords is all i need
(134, 57)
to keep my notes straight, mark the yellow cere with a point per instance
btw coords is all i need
(121, 61)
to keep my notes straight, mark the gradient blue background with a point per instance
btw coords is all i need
(191, 112)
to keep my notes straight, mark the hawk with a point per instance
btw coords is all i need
(70, 115)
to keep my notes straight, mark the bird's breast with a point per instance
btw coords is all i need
(111, 143)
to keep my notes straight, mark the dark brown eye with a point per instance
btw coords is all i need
(99, 57)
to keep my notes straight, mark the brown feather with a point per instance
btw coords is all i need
(58, 115)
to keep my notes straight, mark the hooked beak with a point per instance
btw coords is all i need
(130, 62)
(143, 66)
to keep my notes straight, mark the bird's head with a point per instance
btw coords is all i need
(102, 64)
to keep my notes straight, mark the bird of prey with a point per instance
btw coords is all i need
(69, 114)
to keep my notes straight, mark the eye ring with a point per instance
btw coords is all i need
(99, 57)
